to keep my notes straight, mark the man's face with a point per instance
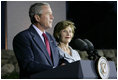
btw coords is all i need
(46, 17)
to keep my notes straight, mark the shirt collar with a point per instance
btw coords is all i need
(38, 30)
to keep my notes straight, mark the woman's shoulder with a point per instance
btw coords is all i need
(73, 50)
(60, 50)
(75, 53)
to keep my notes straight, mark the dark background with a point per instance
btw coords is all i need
(3, 12)
(95, 21)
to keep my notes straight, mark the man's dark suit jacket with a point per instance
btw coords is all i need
(32, 54)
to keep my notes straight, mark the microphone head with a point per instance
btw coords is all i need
(81, 45)
(90, 45)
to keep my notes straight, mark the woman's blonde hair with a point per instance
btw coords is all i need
(60, 26)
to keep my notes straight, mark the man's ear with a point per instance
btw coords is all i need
(37, 18)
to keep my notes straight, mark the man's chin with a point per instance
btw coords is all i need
(48, 27)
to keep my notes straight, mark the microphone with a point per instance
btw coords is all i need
(90, 45)
(91, 51)
(86, 45)
(81, 45)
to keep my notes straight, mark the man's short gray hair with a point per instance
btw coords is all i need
(36, 9)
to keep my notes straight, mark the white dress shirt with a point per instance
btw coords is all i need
(39, 32)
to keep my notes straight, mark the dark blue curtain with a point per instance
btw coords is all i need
(3, 12)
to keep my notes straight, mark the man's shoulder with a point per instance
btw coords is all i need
(24, 32)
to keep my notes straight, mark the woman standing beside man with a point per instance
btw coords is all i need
(63, 33)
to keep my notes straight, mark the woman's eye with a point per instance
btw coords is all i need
(70, 31)
(64, 30)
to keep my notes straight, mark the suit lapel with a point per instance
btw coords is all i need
(39, 43)
(52, 49)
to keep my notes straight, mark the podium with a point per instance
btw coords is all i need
(83, 69)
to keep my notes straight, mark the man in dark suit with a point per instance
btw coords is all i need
(34, 51)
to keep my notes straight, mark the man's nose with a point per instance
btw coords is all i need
(52, 17)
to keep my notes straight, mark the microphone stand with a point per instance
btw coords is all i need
(93, 54)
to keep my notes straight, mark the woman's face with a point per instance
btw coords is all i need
(66, 35)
